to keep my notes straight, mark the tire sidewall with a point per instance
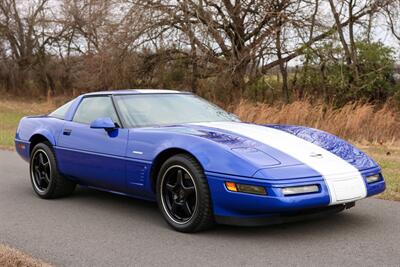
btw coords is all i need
(186, 164)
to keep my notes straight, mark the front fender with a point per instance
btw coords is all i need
(214, 157)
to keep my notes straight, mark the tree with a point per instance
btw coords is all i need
(222, 48)
(391, 12)
(227, 34)
(22, 30)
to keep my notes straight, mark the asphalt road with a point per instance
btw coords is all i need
(93, 228)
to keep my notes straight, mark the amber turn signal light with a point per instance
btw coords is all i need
(231, 186)
(244, 188)
(21, 146)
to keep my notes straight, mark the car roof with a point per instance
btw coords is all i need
(134, 91)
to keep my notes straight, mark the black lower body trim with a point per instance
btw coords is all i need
(284, 217)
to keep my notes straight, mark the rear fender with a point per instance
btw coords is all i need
(46, 134)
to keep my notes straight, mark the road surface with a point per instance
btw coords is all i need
(93, 228)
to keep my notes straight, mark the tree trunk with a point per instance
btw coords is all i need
(282, 66)
(194, 75)
(348, 53)
(308, 56)
(353, 47)
(238, 75)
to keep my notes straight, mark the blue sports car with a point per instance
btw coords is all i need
(200, 163)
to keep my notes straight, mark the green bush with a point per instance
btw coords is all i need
(330, 77)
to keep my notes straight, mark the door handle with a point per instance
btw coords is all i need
(67, 132)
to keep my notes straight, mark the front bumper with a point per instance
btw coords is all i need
(247, 209)
(300, 215)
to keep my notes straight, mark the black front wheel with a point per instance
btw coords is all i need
(183, 195)
(47, 182)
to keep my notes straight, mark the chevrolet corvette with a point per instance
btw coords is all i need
(201, 164)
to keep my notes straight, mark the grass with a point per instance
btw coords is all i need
(11, 111)
(355, 121)
(376, 132)
(10, 257)
(388, 158)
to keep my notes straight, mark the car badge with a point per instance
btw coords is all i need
(316, 155)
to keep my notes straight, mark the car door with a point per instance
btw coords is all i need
(94, 157)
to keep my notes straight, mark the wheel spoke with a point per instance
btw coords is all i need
(174, 207)
(171, 188)
(38, 176)
(41, 160)
(47, 178)
(187, 209)
(179, 177)
(46, 165)
(182, 208)
(40, 179)
(189, 190)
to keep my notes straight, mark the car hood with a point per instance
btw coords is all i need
(307, 150)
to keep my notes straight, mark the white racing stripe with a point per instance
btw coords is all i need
(345, 183)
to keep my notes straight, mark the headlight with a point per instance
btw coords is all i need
(296, 190)
(245, 188)
(373, 178)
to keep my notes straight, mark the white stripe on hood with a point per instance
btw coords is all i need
(345, 183)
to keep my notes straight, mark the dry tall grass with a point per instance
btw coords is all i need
(355, 121)
(362, 123)
(10, 257)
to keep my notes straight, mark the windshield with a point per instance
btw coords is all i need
(168, 109)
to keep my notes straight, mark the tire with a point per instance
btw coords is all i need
(170, 196)
(46, 181)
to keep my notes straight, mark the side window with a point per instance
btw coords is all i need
(61, 111)
(95, 107)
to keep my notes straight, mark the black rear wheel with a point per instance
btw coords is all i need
(47, 182)
(183, 195)
(41, 170)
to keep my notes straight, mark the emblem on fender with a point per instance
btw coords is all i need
(316, 155)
